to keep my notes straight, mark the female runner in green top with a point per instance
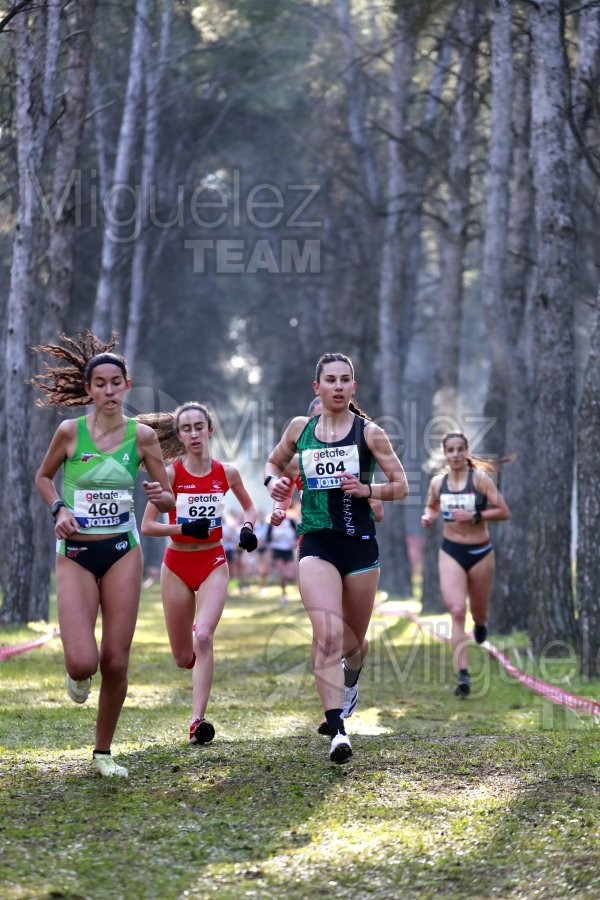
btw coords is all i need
(99, 559)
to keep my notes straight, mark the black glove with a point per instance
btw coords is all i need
(248, 540)
(199, 528)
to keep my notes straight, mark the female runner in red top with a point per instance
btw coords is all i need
(194, 574)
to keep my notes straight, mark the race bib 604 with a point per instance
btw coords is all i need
(323, 466)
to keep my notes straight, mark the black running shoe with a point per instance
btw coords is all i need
(463, 687)
(480, 633)
(201, 731)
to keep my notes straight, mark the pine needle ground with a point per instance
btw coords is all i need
(494, 796)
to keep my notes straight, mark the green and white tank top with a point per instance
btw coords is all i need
(98, 486)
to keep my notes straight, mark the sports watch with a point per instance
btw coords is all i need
(55, 508)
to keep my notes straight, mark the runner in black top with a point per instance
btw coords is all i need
(339, 560)
(467, 499)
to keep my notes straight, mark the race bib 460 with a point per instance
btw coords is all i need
(102, 509)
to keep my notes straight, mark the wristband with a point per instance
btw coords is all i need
(370, 492)
(249, 524)
(476, 518)
(58, 504)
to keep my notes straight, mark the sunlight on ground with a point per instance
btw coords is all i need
(367, 722)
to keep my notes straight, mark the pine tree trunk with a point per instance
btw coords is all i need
(393, 338)
(552, 620)
(141, 252)
(505, 398)
(453, 247)
(36, 45)
(510, 598)
(588, 423)
(61, 264)
(109, 306)
(588, 509)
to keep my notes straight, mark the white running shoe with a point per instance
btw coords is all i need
(105, 765)
(78, 691)
(341, 748)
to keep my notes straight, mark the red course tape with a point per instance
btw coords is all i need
(551, 692)
(15, 649)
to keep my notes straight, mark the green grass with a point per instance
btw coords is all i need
(495, 796)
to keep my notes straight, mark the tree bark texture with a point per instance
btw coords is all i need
(510, 598)
(36, 45)
(393, 339)
(109, 306)
(454, 239)
(588, 509)
(550, 581)
(154, 71)
(65, 221)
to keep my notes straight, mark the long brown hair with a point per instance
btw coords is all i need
(477, 462)
(166, 426)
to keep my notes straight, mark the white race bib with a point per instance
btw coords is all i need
(448, 502)
(190, 507)
(323, 466)
(102, 509)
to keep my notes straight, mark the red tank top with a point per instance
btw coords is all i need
(197, 498)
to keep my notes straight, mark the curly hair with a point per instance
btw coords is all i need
(64, 385)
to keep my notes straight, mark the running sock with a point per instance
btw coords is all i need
(351, 676)
(335, 721)
(191, 664)
(101, 753)
(463, 672)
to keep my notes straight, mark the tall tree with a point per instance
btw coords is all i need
(510, 606)
(495, 240)
(146, 194)
(109, 309)
(384, 195)
(454, 238)
(36, 47)
(584, 89)
(507, 400)
(394, 318)
(64, 222)
(551, 596)
(588, 508)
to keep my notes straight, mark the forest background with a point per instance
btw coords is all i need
(236, 189)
